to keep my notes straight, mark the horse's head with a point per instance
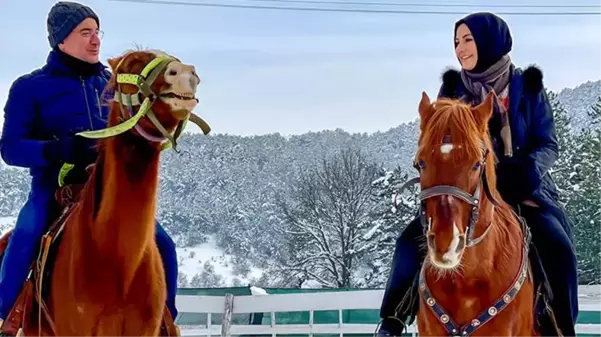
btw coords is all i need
(157, 86)
(452, 159)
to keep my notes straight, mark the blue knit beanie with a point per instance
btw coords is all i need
(64, 16)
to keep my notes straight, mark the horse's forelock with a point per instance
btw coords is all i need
(452, 117)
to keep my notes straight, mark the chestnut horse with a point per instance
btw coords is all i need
(475, 279)
(106, 275)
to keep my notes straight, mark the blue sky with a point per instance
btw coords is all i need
(291, 72)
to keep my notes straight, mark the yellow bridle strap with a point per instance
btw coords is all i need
(119, 128)
(137, 80)
(145, 107)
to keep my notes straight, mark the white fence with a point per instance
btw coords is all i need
(311, 302)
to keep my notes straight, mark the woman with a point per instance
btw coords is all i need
(523, 135)
(522, 130)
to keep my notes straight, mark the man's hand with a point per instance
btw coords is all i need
(78, 150)
(75, 150)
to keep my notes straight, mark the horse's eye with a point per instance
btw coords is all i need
(476, 167)
(421, 164)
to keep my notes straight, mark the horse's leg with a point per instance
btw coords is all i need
(138, 321)
(144, 314)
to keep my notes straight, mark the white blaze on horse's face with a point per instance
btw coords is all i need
(183, 83)
(452, 256)
(446, 148)
(446, 242)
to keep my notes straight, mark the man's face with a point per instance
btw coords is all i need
(83, 42)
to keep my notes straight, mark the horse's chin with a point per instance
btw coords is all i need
(446, 263)
(180, 107)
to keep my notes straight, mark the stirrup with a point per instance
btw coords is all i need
(382, 331)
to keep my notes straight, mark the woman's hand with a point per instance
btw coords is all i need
(530, 203)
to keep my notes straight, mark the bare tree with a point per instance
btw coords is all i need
(326, 216)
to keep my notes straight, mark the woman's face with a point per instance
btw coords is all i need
(465, 48)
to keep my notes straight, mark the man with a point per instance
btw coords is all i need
(44, 110)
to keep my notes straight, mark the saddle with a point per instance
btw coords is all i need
(30, 311)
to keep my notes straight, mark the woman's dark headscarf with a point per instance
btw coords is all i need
(492, 37)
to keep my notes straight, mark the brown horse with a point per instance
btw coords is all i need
(475, 279)
(105, 275)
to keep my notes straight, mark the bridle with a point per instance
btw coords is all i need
(472, 199)
(144, 82)
(129, 121)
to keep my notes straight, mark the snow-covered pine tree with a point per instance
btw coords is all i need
(393, 211)
(564, 172)
(586, 210)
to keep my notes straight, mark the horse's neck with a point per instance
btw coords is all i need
(124, 226)
(496, 257)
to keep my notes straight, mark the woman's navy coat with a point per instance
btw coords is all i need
(525, 176)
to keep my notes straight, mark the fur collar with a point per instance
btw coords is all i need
(532, 77)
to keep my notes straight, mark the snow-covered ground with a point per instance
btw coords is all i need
(193, 259)
(7, 223)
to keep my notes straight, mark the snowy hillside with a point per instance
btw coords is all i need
(578, 100)
(230, 201)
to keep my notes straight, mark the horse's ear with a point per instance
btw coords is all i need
(483, 111)
(114, 63)
(425, 109)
